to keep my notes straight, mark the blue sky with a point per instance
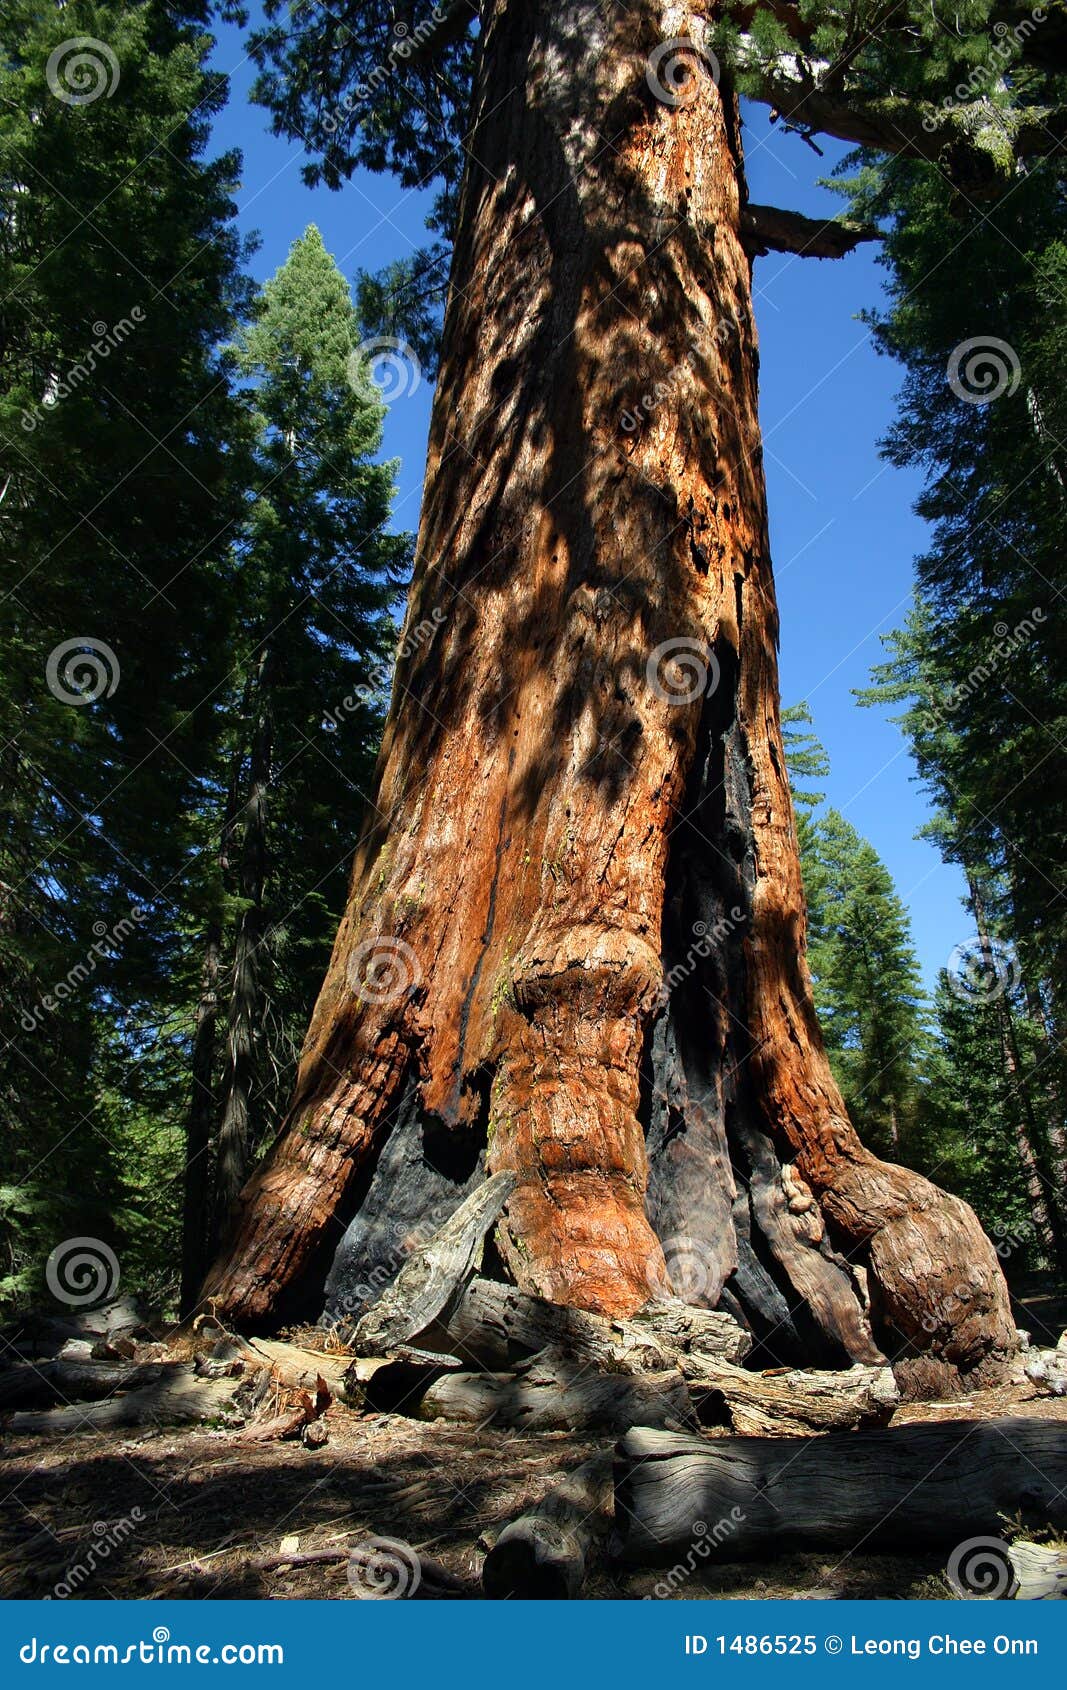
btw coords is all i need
(843, 531)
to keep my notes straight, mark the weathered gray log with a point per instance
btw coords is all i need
(788, 1402)
(296, 1368)
(43, 1384)
(178, 1394)
(552, 1394)
(399, 1383)
(682, 1329)
(547, 1552)
(925, 1483)
(433, 1275)
(1040, 1571)
(73, 1336)
(498, 1324)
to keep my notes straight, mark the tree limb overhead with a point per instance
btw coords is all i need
(766, 228)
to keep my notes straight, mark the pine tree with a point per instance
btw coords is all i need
(868, 991)
(964, 1127)
(123, 445)
(320, 578)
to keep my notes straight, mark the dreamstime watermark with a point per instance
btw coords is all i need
(1009, 642)
(660, 391)
(81, 670)
(981, 1567)
(383, 1569)
(104, 946)
(358, 1297)
(705, 939)
(706, 1539)
(981, 970)
(407, 43)
(383, 369)
(105, 1540)
(950, 1309)
(675, 71)
(155, 1651)
(1009, 39)
(82, 1271)
(81, 70)
(983, 369)
(681, 670)
(106, 340)
(422, 634)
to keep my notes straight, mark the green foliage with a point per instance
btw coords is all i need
(975, 674)
(320, 578)
(867, 988)
(121, 432)
(963, 1133)
(193, 521)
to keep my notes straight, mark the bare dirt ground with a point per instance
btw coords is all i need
(207, 1514)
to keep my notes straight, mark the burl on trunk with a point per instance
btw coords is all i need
(574, 947)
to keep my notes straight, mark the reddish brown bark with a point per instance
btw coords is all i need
(583, 862)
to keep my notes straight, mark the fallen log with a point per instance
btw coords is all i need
(399, 1384)
(296, 1368)
(551, 1394)
(790, 1403)
(924, 1483)
(432, 1276)
(547, 1552)
(680, 1328)
(178, 1394)
(43, 1384)
(1040, 1571)
(498, 1324)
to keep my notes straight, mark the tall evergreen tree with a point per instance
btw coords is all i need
(868, 991)
(122, 449)
(574, 557)
(320, 579)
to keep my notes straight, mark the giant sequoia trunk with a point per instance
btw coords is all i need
(574, 947)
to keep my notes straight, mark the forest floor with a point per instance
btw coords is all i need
(213, 1513)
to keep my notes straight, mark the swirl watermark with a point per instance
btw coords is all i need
(687, 1270)
(982, 369)
(384, 969)
(383, 1569)
(675, 71)
(682, 670)
(981, 970)
(81, 70)
(81, 670)
(981, 1567)
(81, 1271)
(383, 369)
